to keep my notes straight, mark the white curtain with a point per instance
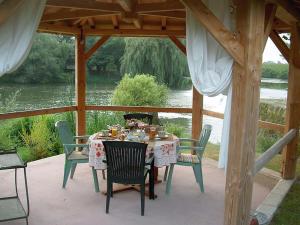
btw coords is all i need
(210, 65)
(16, 34)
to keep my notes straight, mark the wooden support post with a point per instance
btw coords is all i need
(197, 113)
(80, 85)
(289, 156)
(244, 113)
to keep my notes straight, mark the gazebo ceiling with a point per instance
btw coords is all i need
(135, 17)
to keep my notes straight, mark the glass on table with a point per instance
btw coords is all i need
(114, 131)
(152, 133)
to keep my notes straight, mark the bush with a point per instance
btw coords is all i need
(266, 138)
(140, 90)
(97, 121)
(175, 129)
(39, 139)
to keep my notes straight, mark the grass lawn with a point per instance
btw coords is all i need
(289, 211)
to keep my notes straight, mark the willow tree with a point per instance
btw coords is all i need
(159, 57)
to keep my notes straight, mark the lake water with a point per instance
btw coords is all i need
(31, 97)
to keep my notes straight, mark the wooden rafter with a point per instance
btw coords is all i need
(163, 23)
(97, 45)
(270, 12)
(178, 43)
(170, 14)
(288, 6)
(159, 7)
(58, 29)
(7, 8)
(91, 22)
(88, 5)
(65, 14)
(282, 47)
(127, 5)
(216, 28)
(115, 22)
(134, 32)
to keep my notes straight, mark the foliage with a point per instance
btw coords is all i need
(38, 140)
(7, 103)
(107, 59)
(156, 56)
(46, 62)
(98, 121)
(140, 90)
(274, 114)
(275, 70)
(173, 128)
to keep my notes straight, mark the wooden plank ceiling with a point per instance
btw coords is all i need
(136, 17)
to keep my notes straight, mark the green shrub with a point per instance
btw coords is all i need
(97, 121)
(39, 139)
(175, 129)
(140, 90)
(274, 114)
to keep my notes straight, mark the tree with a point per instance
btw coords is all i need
(159, 57)
(107, 58)
(275, 70)
(140, 90)
(46, 61)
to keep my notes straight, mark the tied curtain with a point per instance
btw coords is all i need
(17, 32)
(210, 65)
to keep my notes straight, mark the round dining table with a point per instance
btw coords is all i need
(163, 150)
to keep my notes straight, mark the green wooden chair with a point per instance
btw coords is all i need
(73, 156)
(187, 159)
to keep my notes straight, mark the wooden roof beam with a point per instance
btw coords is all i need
(217, 29)
(91, 22)
(127, 5)
(163, 23)
(282, 47)
(65, 14)
(170, 14)
(270, 12)
(88, 5)
(288, 6)
(115, 22)
(94, 48)
(170, 5)
(134, 32)
(178, 43)
(58, 29)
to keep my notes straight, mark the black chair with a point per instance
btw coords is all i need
(139, 116)
(126, 165)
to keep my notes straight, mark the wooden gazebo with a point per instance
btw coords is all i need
(256, 20)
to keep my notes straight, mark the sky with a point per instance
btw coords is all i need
(271, 53)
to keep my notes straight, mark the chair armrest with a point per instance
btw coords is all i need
(76, 145)
(181, 148)
(82, 137)
(69, 148)
(188, 140)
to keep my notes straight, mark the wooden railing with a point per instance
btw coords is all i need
(13, 115)
(274, 150)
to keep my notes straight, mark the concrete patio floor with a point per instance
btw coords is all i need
(78, 204)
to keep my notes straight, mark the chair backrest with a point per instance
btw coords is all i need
(125, 161)
(64, 131)
(203, 139)
(139, 116)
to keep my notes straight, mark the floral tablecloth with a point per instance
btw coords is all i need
(164, 152)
